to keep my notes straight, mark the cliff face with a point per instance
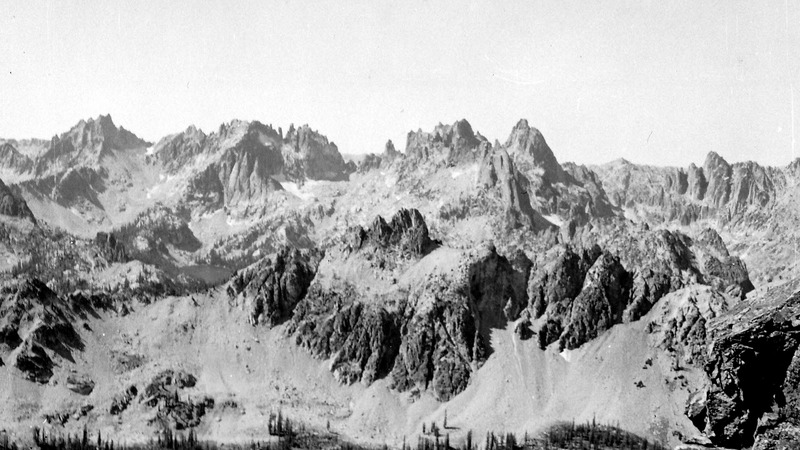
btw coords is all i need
(446, 145)
(579, 294)
(422, 318)
(12, 205)
(497, 171)
(176, 151)
(36, 328)
(271, 288)
(715, 190)
(309, 155)
(431, 334)
(11, 159)
(747, 352)
(527, 145)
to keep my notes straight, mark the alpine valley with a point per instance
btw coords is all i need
(206, 281)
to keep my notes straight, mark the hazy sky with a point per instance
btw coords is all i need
(652, 81)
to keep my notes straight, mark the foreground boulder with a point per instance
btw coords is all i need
(175, 409)
(80, 383)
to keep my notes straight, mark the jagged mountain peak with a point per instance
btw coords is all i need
(522, 125)
(619, 162)
(192, 130)
(389, 148)
(103, 127)
(715, 159)
(528, 143)
(463, 128)
(85, 144)
(446, 144)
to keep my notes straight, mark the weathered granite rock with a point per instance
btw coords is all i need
(29, 309)
(600, 304)
(12, 205)
(273, 286)
(80, 383)
(120, 402)
(407, 233)
(34, 363)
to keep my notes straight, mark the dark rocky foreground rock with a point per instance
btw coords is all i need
(406, 234)
(427, 332)
(428, 329)
(80, 383)
(12, 205)
(175, 409)
(272, 287)
(752, 365)
(121, 401)
(36, 326)
(749, 353)
(432, 335)
(581, 293)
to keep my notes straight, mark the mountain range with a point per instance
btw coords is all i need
(205, 281)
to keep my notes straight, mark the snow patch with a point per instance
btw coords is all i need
(297, 191)
(555, 219)
(150, 150)
(567, 355)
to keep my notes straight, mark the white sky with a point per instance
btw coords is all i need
(652, 81)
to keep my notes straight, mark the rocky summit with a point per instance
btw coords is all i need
(214, 281)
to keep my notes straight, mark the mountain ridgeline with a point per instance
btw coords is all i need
(458, 272)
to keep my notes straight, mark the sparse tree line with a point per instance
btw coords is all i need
(288, 434)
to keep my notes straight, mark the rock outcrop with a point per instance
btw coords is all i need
(583, 293)
(308, 154)
(722, 270)
(600, 304)
(12, 205)
(447, 322)
(362, 338)
(373, 161)
(497, 171)
(176, 151)
(527, 145)
(121, 401)
(80, 383)
(447, 145)
(37, 326)
(407, 233)
(164, 393)
(750, 360)
(422, 328)
(273, 286)
(431, 335)
(747, 351)
(11, 159)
